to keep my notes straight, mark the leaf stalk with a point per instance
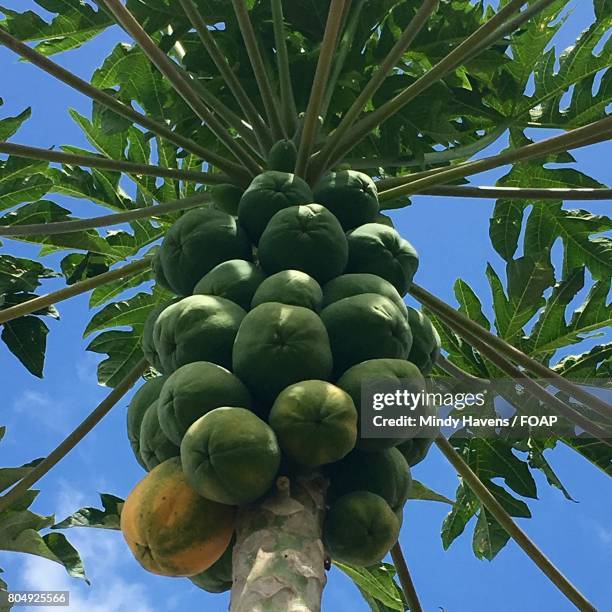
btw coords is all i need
(505, 520)
(44, 301)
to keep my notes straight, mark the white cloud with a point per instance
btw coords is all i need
(29, 400)
(604, 534)
(51, 414)
(109, 593)
(87, 368)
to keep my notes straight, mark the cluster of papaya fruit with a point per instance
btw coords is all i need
(289, 298)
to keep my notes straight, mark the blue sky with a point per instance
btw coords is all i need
(451, 236)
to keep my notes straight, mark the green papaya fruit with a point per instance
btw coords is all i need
(363, 327)
(385, 473)
(226, 197)
(315, 422)
(200, 240)
(351, 196)
(158, 272)
(415, 450)
(148, 346)
(377, 249)
(198, 328)
(278, 345)
(360, 528)
(235, 280)
(283, 156)
(140, 403)
(192, 391)
(348, 285)
(291, 287)
(426, 342)
(230, 456)
(394, 370)
(155, 446)
(307, 238)
(268, 193)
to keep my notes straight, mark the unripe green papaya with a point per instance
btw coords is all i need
(351, 196)
(226, 197)
(148, 346)
(377, 249)
(158, 272)
(194, 390)
(198, 328)
(426, 341)
(283, 156)
(415, 449)
(235, 280)
(394, 370)
(315, 422)
(155, 446)
(348, 285)
(360, 528)
(363, 327)
(268, 193)
(200, 240)
(230, 456)
(307, 238)
(141, 402)
(385, 473)
(279, 345)
(291, 287)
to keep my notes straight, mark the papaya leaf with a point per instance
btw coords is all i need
(489, 536)
(9, 476)
(495, 459)
(26, 338)
(528, 278)
(18, 274)
(104, 294)
(505, 227)
(459, 351)
(24, 189)
(107, 518)
(10, 125)
(123, 352)
(66, 554)
(530, 42)
(552, 331)
(501, 304)
(419, 491)
(376, 583)
(578, 66)
(19, 532)
(464, 508)
(79, 266)
(538, 461)
(595, 451)
(470, 304)
(46, 211)
(132, 312)
(75, 23)
(594, 364)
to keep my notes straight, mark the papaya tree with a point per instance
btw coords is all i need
(256, 156)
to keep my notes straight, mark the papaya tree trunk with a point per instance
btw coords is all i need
(278, 558)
